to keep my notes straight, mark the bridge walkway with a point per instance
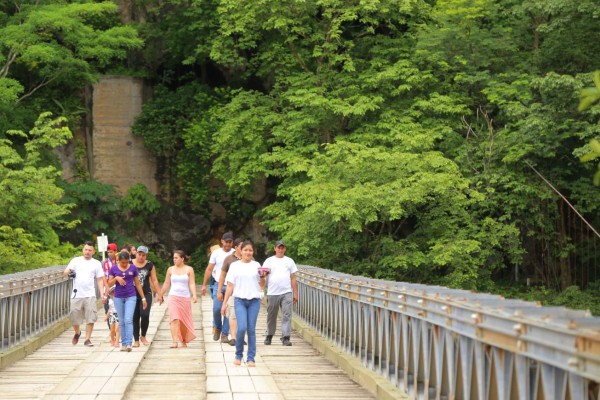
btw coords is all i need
(204, 370)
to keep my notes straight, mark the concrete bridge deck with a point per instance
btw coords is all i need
(204, 370)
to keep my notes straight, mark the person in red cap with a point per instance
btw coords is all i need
(111, 261)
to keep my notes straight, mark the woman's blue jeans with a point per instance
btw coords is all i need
(246, 312)
(125, 308)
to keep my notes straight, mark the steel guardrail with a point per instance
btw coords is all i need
(432, 342)
(31, 301)
(436, 342)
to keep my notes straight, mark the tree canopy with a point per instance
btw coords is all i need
(399, 139)
(49, 51)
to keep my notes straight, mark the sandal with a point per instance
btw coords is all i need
(237, 361)
(136, 344)
(251, 364)
(144, 341)
(173, 346)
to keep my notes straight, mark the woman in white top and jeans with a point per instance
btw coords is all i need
(243, 284)
(180, 277)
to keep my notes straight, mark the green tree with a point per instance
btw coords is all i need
(30, 197)
(406, 216)
(96, 206)
(353, 131)
(19, 251)
(55, 47)
(395, 136)
(163, 124)
(139, 206)
(588, 97)
(178, 35)
(544, 23)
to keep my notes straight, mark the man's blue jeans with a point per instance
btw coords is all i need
(246, 312)
(125, 308)
(223, 325)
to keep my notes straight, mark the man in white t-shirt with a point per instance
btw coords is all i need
(282, 291)
(84, 306)
(213, 269)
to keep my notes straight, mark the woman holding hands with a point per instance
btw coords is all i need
(125, 276)
(180, 277)
(246, 286)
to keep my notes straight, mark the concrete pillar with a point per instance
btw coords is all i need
(118, 157)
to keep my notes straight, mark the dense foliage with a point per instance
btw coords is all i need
(49, 51)
(29, 199)
(400, 139)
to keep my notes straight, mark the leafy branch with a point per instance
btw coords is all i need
(588, 97)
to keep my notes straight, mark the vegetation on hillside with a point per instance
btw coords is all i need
(405, 140)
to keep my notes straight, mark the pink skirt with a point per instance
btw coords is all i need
(180, 308)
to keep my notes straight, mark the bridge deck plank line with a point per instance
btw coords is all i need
(59, 370)
(167, 373)
(203, 371)
(296, 372)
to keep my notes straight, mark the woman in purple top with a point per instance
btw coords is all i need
(125, 276)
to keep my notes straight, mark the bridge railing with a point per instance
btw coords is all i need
(30, 302)
(440, 343)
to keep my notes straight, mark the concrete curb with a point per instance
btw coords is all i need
(26, 348)
(381, 388)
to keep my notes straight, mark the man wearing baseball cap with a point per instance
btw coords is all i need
(213, 269)
(282, 291)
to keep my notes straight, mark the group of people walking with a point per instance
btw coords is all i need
(130, 280)
(237, 287)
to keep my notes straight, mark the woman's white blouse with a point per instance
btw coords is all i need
(244, 277)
